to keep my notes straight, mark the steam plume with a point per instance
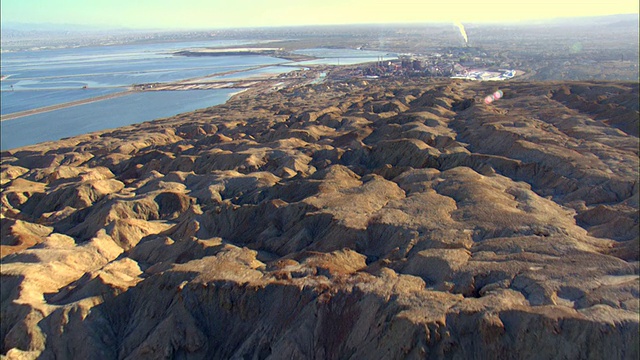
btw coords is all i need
(462, 32)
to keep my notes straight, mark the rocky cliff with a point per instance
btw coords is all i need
(383, 220)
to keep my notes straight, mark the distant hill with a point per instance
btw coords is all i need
(612, 20)
(30, 27)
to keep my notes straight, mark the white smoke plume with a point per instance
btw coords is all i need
(462, 31)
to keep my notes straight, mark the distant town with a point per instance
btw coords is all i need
(457, 64)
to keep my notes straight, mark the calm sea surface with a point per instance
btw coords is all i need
(43, 78)
(14, 101)
(106, 114)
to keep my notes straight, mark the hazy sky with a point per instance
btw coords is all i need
(247, 13)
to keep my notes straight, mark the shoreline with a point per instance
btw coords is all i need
(259, 83)
(180, 85)
(247, 51)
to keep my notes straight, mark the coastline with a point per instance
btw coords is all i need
(256, 82)
(247, 83)
(246, 51)
(180, 85)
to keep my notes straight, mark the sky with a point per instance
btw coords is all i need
(211, 14)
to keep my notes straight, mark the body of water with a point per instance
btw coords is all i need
(106, 114)
(108, 67)
(15, 101)
(36, 79)
(43, 78)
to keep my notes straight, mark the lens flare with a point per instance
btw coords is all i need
(493, 97)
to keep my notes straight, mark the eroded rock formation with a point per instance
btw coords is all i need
(343, 220)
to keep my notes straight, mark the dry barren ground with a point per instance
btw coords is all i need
(342, 220)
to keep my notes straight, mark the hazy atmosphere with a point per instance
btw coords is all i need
(254, 13)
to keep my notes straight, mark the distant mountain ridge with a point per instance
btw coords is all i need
(10, 29)
(612, 20)
(46, 27)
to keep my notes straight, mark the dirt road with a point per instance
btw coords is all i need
(44, 109)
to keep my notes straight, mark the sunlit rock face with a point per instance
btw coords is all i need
(345, 220)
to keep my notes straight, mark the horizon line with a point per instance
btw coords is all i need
(102, 27)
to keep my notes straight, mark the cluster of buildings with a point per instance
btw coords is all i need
(463, 63)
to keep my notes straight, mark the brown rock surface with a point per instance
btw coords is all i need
(343, 220)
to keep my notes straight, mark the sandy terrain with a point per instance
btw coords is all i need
(354, 219)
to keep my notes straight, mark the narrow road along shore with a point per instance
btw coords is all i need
(44, 109)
